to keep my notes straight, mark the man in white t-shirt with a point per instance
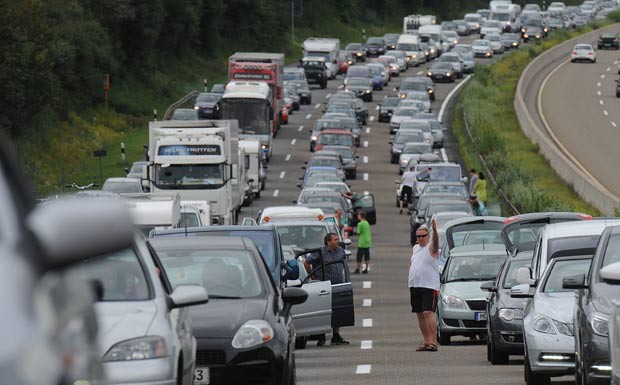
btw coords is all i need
(424, 284)
(408, 180)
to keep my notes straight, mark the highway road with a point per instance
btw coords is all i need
(579, 103)
(383, 342)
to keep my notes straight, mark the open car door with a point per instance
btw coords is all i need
(343, 308)
(367, 204)
(313, 316)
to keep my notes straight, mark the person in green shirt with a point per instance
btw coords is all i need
(364, 242)
(480, 188)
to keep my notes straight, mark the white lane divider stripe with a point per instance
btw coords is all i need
(367, 344)
(282, 174)
(368, 130)
(328, 96)
(276, 193)
(605, 112)
(308, 116)
(444, 155)
(293, 142)
(318, 105)
(419, 72)
(377, 108)
(372, 119)
(341, 86)
(367, 302)
(598, 84)
(614, 124)
(365, 176)
(367, 322)
(603, 76)
(288, 157)
(365, 143)
(598, 93)
(363, 369)
(601, 101)
(365, 159)
(300, 128)
(608, 69)
(367, 284)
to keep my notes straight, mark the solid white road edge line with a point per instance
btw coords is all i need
(444, 155)
(447, 99)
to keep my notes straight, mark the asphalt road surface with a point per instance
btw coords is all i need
(386, 334)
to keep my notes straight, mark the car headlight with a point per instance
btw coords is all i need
(429, 73)
(368, 91)
(563, 328)
(453, 302)
(543, 325)
(526, 36)
(196, 107)
(449, 74)
(600, 324)
(432, 50)
(477, 25)
(264, 146)
(404, 162)
(429, 91)
(427, 140)
(252, 333)
(313, 138)
(508, 314)
(522, 29)
(488, 53)
(143, 348)
(546, 29)
(538, 36)
(398, 151)
(359, 54)
(514, 43)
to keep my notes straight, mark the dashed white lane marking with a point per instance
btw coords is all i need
(308, 116)
(377, 108)
(598, 84)
(419, 72)
(444, 155)
(367, 284)
(340, 86)
(366, 193)
(598, 93)
(282, 174)
(288, 157)
(363, 369)
(328, 96)
(276, 193)
(602, 104)
(367, 302)
(300, 128)
(365, 176)
(614, 124)
(365, 159)
(293, 142)
(608, 69)
(367, 322)
(365, 143)
(318, 105)
(365, 345)
(368, 130)
(372, 119)
(603, 76)
(605, 112)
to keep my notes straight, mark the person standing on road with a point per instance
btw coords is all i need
(424, 284)
(473, 178)
(480, 188)
(479, 207)
(331, 252)
(407, 181)
(364, 242)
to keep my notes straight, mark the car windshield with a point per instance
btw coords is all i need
(208, 98)
(406, 112)
(118, 277)
(293, 76)
(358, 82)
(472, 19)
(336, 139)
(354, 46)
(390, 102)
(322, 177)
(226, 274)
(525, 233)
(335, 163)
(481, 42)
(434, 188)
(510, 279)
(189, 219)
(339, 187)
(501, 16)
(413, 86)
(493, 38)
(417, 148)
(302, 236)
(323, 124)
(474, 268)
(422, 96)
(400, 139)
(252, 114)
(440, 173)
(562, 269)
(189, 176)
(184, 114)
(612, 253)
(374, 41)
(416, 125)
(491, 24)
(122, 187)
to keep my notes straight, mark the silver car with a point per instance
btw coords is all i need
(454, 59)
(421, 96)
(496, 43)
(548, 322)
(482, 48)
(412, 150)
(145, 329)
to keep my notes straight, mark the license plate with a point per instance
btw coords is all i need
(202, 376)
(479, 316)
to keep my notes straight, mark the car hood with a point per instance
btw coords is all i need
(221, 318)
(120, 321)
(603, 294)
(505, 300)
(464, 290)
(558, 306)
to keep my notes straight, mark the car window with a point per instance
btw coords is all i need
(565, 268)
(302, 236)
(474, 268)
(510, 279)
(612, 253)
(118, 277)
(189, 220)
(122, 187)
(224, 273)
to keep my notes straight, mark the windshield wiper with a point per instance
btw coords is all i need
(223, 297)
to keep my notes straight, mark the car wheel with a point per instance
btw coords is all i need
(497, 357)
(533, 378)
(443, 338)
(300, 342)
(489, 350)
(292, 377)
(594, 61)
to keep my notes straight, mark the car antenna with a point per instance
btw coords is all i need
(483, 248)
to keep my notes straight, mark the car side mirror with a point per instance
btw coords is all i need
(298, 185)
(488, 286)
(524, 276)
(187, 295)
(520, 291)
(577, 281)
(611, 274)
(293, 296)
(303, 167)
(390, 142)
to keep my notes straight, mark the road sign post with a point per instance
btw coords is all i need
(100, 154)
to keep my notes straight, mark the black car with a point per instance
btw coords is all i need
(375, 46)
(208, 105)
(362, 87)
(592, 309)
(387, 107)
(505, 313)
(349, 159)
(391, 40)
(315, 70)
(357, 50)
(608, 40)
(442, 72)
(244, 334)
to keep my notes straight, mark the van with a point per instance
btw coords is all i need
(474, 20)
(411, 45)
(432, 33)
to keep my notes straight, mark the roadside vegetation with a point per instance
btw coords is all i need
(486, 106)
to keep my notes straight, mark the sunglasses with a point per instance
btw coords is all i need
(421, 236)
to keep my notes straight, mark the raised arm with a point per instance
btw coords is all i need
(434, 248)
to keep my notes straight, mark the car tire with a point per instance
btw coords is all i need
(594, 61)
(530, 377)
(443, 338)
(323, 85)
(497, 357)
(300, 342)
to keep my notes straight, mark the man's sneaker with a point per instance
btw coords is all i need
(365, 272)
(357, 271)
(401, 211)
(339, 341)
(321, 341)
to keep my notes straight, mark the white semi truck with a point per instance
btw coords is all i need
(324, 47)
(199, 160)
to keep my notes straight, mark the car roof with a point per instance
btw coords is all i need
(577, 228)
(201, 243)
(188, 230)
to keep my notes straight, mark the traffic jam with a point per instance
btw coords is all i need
(241, 245)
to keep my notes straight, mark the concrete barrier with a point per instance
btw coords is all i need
(562, 161)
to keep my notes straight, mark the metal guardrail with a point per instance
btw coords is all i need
(179, 103)
(560, 159)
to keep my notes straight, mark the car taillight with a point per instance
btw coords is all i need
(574, 52)
(585, 216)
(590, 53)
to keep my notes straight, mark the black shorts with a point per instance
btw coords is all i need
(405, 194)
(363, 253)
(423, 299)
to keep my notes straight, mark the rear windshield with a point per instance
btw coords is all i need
(475, 268)
(302, 236)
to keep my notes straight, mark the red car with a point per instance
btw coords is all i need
(333, 137)
(345, 59)
(284, 116)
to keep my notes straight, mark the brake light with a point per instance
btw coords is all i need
(590, 53)
(585, 216)
(574, 52)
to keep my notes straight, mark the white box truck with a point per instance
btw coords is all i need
(324, 47)
(199, 160)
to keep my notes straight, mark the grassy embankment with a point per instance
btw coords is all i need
(521, 171)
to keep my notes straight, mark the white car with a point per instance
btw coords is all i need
(482, 48)
(490, 27)
(583, 52)
(496, 43)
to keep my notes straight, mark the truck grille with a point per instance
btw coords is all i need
(477, 305)
(210, 357)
